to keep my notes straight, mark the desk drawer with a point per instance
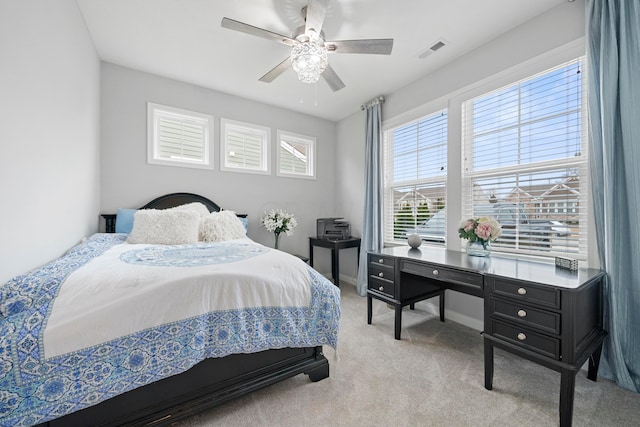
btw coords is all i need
(381, 260)
(542, 320)
(457, 280)
(526, 338)
(381, 271)
(381, 285)
(541, 296)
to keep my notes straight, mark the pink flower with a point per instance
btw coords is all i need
(483, 230)
(469, 225)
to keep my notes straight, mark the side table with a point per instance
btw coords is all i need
(335, 245)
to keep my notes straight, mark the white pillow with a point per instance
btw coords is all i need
(165, 227)
(219, 226)
(195, 206)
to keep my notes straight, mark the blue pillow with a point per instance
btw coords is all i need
(245, 222)
(124, 220)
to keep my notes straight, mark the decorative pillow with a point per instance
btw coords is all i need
(124, 220)
(198, 207)
(245, 222)
(165, 227)
(219, 226)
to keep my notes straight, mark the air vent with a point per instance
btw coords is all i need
(439, 44)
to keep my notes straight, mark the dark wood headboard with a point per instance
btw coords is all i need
(165, 202)
(176, 199)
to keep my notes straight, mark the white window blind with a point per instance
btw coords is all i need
(178, 137)
(526, 162)
(245, 147)
(296, 155)
(415, 159)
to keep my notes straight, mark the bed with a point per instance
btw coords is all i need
(58, 369)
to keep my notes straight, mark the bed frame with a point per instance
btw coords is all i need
(210, 382)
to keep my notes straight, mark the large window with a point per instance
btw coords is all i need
(525, 160)
(178, 137)
(245, 147)
(415, 178)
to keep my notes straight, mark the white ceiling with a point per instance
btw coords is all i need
(183, 40)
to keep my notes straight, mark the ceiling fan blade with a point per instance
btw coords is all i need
(276, 71)
(332, 79)
(316, 12)
(375, 46)
(255, 31)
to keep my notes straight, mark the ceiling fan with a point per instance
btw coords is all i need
(309, 49)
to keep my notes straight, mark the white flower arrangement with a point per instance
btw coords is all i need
(279, 221)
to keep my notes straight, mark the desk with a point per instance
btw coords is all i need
(335, 246)
(532, 309)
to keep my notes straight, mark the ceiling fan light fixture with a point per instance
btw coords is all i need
(309, 60)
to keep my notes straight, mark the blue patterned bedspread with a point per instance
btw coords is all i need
(34, 389)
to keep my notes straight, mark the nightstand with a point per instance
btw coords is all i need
(302, 257)
(335, 246)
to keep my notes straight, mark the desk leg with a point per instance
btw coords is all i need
(488, 364)
(336, 266)
(442, 306)
(594, 362)
(398, 322)
(310, 254)
(369, 309)
(567, 387)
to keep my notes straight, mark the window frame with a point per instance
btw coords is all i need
(309, 142)
(155, 112)
(389, 213)
(228, 124)
(453, 99)
(580, 163)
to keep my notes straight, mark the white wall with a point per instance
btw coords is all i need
(555, 28)
(49, 104)
(128, 181)
(350, 183)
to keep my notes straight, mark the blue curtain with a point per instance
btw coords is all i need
(372, 218)
(613, 51)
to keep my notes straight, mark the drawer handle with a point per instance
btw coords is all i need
(381, 274)
(381, 260)
(436, 272)
(522, 336)
(522, 313)
(381, 288)
(522, 291)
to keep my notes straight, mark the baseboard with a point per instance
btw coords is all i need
(343, 279)
(453, 315)
(349, 279)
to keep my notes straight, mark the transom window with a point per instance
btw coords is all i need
(245, 147)
(296, 155)
(178, 137)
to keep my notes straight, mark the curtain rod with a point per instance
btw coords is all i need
(374, 101)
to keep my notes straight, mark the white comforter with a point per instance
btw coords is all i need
(134, 287)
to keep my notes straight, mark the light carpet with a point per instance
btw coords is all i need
(434, 376)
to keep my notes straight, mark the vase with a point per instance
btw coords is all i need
(478, 248)
(277, 237)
